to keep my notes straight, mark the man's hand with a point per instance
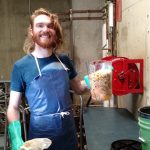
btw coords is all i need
(14, 130)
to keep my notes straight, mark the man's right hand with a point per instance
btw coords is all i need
(14, 130)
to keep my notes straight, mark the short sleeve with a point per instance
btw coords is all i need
(16, 80)
(69, 64)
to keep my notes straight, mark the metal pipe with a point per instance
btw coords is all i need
(24, 124)
(29, 7)
(87, 11)
(5, 135)
(102, 10)
(4, 111)
(111, 14)
(71, 36)
(82, 18)
(23, 110)
(81, 118)
(88, 18)
(6, 123)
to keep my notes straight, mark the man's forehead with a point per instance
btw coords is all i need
(42, 19)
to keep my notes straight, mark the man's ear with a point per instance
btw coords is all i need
(30, 31)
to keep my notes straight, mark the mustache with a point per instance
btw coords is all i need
(46, 34)
(49, 34)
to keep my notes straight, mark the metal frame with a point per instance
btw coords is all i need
(4, 98)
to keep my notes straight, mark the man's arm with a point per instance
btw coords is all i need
(78, 86)
(14, 127)
(13, 107)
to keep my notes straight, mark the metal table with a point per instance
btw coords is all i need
(106, 125)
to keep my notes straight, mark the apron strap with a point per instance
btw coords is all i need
(64, 113)
(37, 64)
(64, 66)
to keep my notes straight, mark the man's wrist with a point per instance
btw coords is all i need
(84, 85)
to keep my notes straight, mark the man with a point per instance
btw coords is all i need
(45, 78)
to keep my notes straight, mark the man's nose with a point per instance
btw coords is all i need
(45, 28)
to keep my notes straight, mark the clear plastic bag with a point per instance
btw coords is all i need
(100, 77)
(36, 144)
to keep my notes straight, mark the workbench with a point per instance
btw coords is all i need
(106, 125)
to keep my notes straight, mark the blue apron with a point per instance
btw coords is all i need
(50, 107)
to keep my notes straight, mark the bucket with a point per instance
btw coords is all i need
(126, 144)
(144, 123)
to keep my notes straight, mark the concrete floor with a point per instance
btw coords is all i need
(106, 125)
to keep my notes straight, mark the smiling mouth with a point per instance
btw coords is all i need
(45, 36)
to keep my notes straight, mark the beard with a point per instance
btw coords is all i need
(45, 40)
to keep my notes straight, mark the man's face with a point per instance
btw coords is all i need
(43, 33)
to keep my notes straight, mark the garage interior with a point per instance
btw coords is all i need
(110, 30)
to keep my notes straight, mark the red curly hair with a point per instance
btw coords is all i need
(29, 44)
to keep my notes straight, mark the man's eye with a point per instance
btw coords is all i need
(40, 25)
(50, 26)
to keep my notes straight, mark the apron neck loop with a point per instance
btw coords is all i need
(62, 63)
(37, 64)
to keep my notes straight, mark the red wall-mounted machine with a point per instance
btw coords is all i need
(127, 75)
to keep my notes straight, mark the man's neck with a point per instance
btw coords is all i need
(40, 52)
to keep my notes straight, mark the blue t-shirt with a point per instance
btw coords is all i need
(25, 70)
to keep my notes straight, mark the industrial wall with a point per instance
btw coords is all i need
(14, 16)
(87, 35)
(82, 38)
(133, 41)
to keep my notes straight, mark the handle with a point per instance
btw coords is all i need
(86, 79)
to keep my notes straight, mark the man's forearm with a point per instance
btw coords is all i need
(13, 114)
(78, 86)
